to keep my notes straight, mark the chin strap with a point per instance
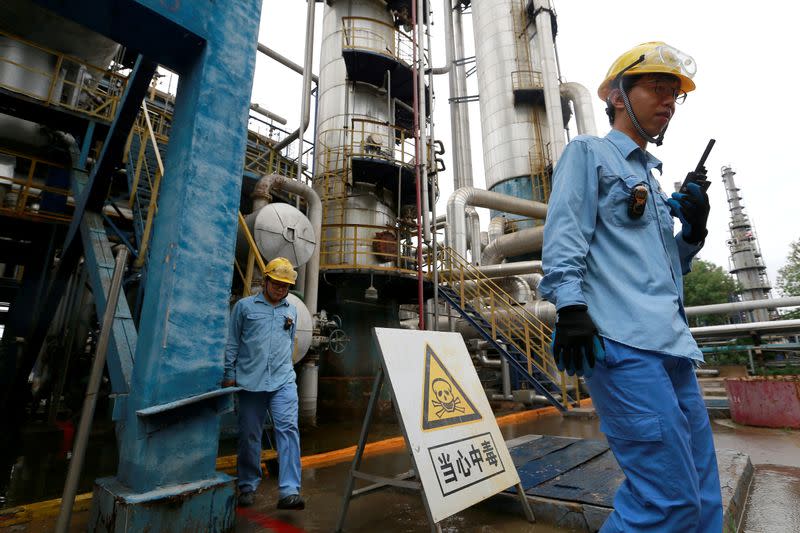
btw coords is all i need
(646, 136)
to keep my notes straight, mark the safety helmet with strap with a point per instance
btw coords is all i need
(655, 57)
(281, 269)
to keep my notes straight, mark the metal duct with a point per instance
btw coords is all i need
(497, 228)
(507, 130)
(517, 288)
(581, 100)
(513, 244)
(552, 94)
(470, 196)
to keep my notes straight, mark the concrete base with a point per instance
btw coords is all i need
(207, 505)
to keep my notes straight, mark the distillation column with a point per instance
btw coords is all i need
(364, 175)
(747, 263)
(521, 111)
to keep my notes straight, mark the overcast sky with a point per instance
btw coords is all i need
(746, 81)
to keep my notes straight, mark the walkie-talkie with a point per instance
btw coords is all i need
(698, 175)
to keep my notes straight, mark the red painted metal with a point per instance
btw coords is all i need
(765, 401)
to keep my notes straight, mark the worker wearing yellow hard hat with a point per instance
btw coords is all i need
(657, 59)
(258, 359)
(613, 268)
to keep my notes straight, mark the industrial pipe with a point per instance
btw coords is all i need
(421, 123)
(470, 196)
(552, 94)
(517, 268)
(90, 401)
(267, 113)
(581, 100)
(285, 61)
(474, 233)
(735, 307)
(305, 105)
(513, 244)
(733, 330)
(465, 143)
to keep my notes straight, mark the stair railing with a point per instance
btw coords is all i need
(507, 319)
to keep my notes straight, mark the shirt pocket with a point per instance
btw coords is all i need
(665, 218)
(254, 323)
(619, 198)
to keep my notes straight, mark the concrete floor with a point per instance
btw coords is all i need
(773, 505)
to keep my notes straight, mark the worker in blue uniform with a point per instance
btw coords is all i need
(258, 358)
(613, 268)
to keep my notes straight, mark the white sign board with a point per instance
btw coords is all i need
(460, 455)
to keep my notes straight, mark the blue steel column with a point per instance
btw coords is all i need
(182, 330)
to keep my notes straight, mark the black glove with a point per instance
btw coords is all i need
(576, 345)
(692, 209)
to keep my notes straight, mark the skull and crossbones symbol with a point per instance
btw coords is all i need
(444, 401)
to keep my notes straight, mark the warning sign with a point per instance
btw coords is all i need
(458, 450)
(467, 461)
(444, 403)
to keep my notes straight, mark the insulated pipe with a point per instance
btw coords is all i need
(267, 113)
(517, 288)
(276, 181)
(497, 228)
(465, 142)
(285, 61)
(422, 122)
(733, 330)
(581, 100)
(510, 269)
(470, 196)
(305, 104)
(735, 307)
(513, 244)
(552, 94)
(474, 233)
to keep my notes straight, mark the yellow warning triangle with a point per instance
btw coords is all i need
(444, 402)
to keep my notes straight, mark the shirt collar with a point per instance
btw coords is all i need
(627, 146)
(261, 299)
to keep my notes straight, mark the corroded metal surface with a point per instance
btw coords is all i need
(765, 401)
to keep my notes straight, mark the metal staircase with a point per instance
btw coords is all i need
(521, 338)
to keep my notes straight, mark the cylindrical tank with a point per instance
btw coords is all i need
(358, 220)
(279, 230)
(508, 131)
(304, 330)
(26, 69)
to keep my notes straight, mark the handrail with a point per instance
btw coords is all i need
(84, 94)
(524, 331)
(360, 33)
(253, 256)
(31, 189)
(152, 207)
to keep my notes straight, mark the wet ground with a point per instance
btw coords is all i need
(774, 503)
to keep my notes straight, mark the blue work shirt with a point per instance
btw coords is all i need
(258, 354)
(629, 272)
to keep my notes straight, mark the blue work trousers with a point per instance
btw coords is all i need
(656, 422)
(282, 405)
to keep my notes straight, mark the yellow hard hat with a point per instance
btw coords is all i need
(651, 58)
(280, 269)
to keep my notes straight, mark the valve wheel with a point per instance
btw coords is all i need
(337, 341)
